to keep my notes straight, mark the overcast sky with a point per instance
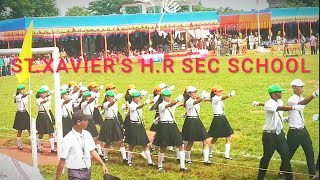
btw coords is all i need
(63, 5)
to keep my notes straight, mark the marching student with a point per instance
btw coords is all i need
(66, 112)
(78, 99)
(44, 121)
(298, 133)
(96, 116)
(156, 100)
(74, 92)
(168, 133)
(220, 127)
(117, 97)
(87, 105)
(193, 129)
(128, 99)
(135, 133)
(49, 97)
(273, 137)
(111, 130)
(22, 118)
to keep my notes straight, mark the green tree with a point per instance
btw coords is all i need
(226, 10)
(105, 7)
(78, 11)
(301, 3)
(10, 9)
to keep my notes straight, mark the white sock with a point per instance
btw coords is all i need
(55, 136)
(188, 155)
(51, 140)
(227, 152)
(170, 148)
(177, 153)
(182, 159)
(105, 153)
(206, 155)
(39, 143)
(123, 152)
(153, 146)
(129, 156)
(185, 143)
(148, 155)
(211, 148)
(19, 141)
(160, 159)
(98, 146)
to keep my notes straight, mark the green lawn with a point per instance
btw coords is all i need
(247, 121)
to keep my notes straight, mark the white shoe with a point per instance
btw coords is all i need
(210, 156)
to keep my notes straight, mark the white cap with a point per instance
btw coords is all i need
(64, 87)
(83, 88)
(45, 87)
(163, 85)
(191, 89)
(297, 82)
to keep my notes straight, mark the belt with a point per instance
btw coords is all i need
(64, 116)
(107, 119)
(81, 169)
(41, 112)
(218, 115)
(293, 128)
(192, 117)
(167, 122)
(22, 111)
(270, 131)
(135, 122)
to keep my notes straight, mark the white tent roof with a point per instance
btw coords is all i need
(12, 169)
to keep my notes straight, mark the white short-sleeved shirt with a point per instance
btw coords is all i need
(74, 97)
(273, 117)
(217, 105)
(112, 111)
(87, 108)
(156, 98)
(296, 118)
(192, 110)
(166, 114)
(43, 105)
(135, 114)
(22, 103)
(49, 98)
(66, 109)
(76, 149)
(96, 99)
(77, 102)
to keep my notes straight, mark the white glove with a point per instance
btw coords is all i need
(298, 107)
(29, 92)
(147, 102)
(101, 112)
(184, 115)
(101, 87)
(233, 93)
(52, 91)
(119, 96)
(80, 84)
(204, 94)
(315, 117)
(255, 103)
(123, 106)
(286, 119)
(171, 88)
(149, 96)
(180, 98)
(143, 92)
(316, 93)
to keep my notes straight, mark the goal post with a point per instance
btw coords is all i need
(54, 51)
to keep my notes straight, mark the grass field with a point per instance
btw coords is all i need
(247, 121)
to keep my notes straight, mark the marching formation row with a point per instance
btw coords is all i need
(131, 130)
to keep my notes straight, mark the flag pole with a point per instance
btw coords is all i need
(258, 17)
(33, 134)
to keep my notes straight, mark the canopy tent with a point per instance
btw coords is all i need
(246, 20)
(49, 27)
(292, 15)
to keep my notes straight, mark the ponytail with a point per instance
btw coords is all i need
(212, 94)
(17, 93)
(186, 97)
